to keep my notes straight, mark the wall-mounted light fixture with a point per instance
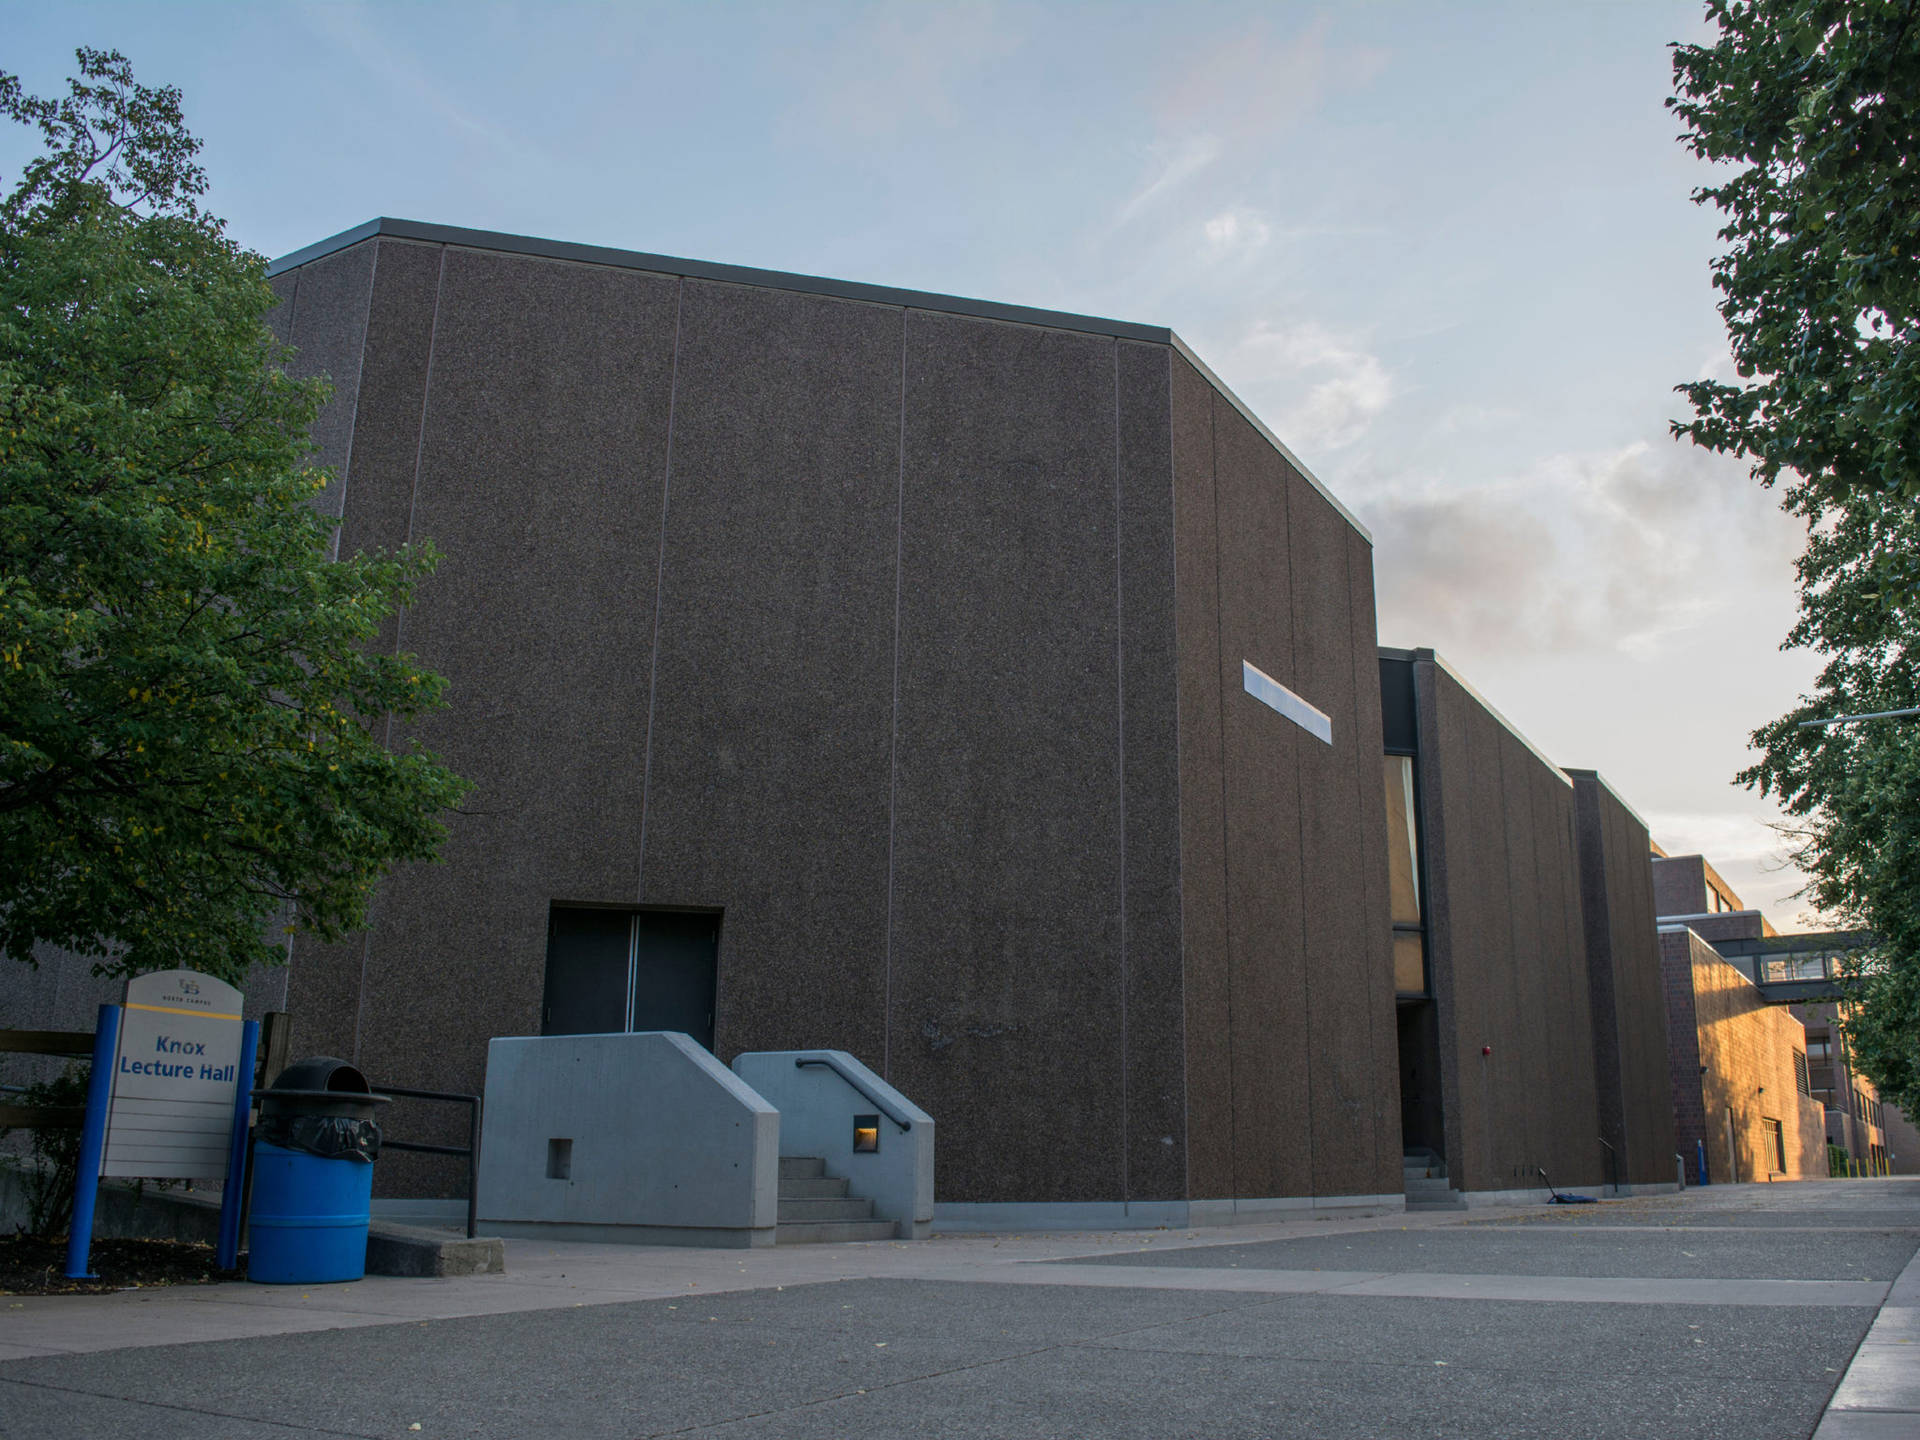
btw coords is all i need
(866, 1134)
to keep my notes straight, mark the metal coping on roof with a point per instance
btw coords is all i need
(810, 285)
(1621, 800)
(1388, 652)
(1668, 927)
(1808, 941)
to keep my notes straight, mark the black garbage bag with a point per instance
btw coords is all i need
(332, 1137)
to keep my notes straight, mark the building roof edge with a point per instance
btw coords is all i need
(420, 230)
(1424, 653)
(434, 234)
(1625, 804)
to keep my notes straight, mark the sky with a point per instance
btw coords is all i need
(1448, 253)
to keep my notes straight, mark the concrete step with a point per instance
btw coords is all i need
(800, 1167)
(833, 1232)
(799, 1209)
(1432, 1193)
(813, 1187)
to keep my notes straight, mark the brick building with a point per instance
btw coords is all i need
(1692, 894)
(1742, 1102)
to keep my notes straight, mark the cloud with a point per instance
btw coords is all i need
(1619, 551)
(1346, 385)
(1174, 163)
(1722, 838)
(1750, 854)
(1235, 100)
(1236, 231)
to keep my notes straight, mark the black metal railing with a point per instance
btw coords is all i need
(471, 1149)
(872, 1099)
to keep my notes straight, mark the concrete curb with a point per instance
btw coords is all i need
(1879, 1396)
(130, 1212)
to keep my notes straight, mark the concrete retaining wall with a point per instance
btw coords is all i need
(643, 1139)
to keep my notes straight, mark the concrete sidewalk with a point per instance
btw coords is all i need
(1726, 1312)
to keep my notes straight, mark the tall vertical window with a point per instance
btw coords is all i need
(1403, 879)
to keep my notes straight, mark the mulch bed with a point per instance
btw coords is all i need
(30, 1265)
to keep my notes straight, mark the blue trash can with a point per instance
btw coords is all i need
(313, 1160)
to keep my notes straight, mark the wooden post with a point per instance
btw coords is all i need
(276, 1047)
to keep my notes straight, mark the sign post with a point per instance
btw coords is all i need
(93, 1140)
(168, 1097)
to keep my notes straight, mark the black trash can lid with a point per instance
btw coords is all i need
(323, 1072)
(322, 1077)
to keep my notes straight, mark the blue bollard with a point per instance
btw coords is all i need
(308, 1225)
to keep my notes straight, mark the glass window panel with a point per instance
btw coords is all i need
(1403, 868)
(1409, 964)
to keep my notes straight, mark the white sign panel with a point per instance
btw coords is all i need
(174, 1077)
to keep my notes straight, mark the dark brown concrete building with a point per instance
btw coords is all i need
(1496, 1062)
(1514, 1059)
(980, 690)
(1628, 996)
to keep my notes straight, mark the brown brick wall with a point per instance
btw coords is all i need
(1742, 1072)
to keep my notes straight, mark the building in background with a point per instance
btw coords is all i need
(1743, 1107)
(1791, 974)
(1531, 1023)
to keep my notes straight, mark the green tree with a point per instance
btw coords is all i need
(192, 698)
(1814, 107)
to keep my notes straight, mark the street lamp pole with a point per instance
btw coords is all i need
(1851, 719)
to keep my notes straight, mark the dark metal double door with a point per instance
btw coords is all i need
(610, 971)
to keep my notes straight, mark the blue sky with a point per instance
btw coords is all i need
(1446, 251)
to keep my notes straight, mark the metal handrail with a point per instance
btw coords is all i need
(471, 1149)
(865, 1094)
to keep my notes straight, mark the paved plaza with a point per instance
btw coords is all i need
(1736, 1312)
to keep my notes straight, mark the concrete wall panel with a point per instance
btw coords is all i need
(1532, 1099)
(1006, 989)
(1629, 1005)
(541, 463)
(327, 326)
(1156, 1124)
(768, 784)
(1509, 957)
(323, 992)
(1375, 938)
(1571, 1142)
(1647, 1098)
(1339, 937)
(1272, 1094)
(1206, 973)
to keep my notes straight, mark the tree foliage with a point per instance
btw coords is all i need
(192, 701)
(1815, 107)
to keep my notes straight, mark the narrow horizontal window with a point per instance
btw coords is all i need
(1275, 696)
